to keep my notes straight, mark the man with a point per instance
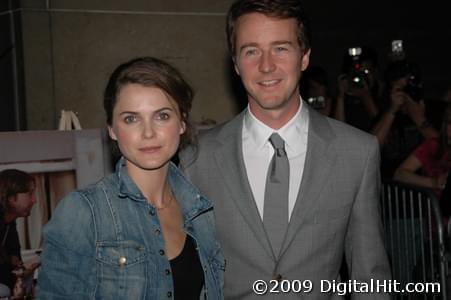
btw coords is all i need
(330, 202)
(16, 200)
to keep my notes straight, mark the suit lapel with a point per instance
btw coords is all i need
(318, 161)
(230, 162)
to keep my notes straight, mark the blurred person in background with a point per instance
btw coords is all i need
(17, 198)
(429, 164)
(359, 88)
(403, 124)
(314, 88)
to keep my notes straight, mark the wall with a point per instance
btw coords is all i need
(71, 46)
(12, 98)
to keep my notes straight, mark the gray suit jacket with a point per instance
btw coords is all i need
(336, 211)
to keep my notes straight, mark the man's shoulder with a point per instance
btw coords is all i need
(208, 140)
(221, 131)
(350, 133)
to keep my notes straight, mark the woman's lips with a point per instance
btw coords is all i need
(150, 149)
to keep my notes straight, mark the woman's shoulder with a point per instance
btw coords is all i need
(428, 147)
(80, 202)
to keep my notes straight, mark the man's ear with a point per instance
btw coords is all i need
(111, 133)
(305, 60)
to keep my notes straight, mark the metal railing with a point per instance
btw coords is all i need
(414, 237)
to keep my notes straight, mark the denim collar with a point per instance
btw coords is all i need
(188, 196)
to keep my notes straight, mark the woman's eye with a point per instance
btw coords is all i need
(130, 119)
(163, 116)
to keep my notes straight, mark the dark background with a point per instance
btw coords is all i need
(423, 26)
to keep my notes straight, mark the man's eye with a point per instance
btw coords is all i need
(281, 49)
(130, 119)
(250, 52)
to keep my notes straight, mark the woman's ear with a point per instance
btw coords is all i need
(182, 127)
(111, 133)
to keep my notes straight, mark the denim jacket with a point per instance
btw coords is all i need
(105, 242)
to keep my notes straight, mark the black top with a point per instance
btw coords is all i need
(187, 272)
(9, 246)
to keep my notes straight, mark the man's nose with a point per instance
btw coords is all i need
(267, 64)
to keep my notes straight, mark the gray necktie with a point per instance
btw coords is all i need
(275, 212)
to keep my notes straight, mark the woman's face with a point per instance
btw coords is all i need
(147, 126)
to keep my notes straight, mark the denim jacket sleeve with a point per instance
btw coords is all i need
(68, 257)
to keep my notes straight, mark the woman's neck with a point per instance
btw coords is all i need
(154, 185)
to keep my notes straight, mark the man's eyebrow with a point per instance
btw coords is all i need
(282, 42)
(251, 44)
(254, 44)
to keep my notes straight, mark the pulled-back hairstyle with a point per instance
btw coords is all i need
(445, 145)
(151, 72)
(283, 9)
(13, 182)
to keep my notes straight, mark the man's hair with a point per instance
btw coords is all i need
(151, 72)
(13, 182)
(282, 9)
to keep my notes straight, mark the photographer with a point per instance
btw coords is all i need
(314, 88)
(403, 125)
(358, 88)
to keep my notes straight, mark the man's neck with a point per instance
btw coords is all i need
(275, 119)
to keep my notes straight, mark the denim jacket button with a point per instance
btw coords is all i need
(169, 294)
(161, 252)
(157, 231)
(167, 271)
(122, 260)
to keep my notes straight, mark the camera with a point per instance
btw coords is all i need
(357, 74)
(397, 50)
(414, 88)
(401, 68)
(317, 102)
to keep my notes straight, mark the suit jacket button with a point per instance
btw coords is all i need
(278, 277)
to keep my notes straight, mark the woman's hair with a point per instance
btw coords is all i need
(152, 72)
(283, 9)
(12, 182)
(445, 144)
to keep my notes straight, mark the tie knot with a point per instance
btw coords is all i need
(278, 144)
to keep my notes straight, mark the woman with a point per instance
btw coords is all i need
(143, 232)
(431, 158)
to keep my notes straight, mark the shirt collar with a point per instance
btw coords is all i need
(188, 196)
(259, 133)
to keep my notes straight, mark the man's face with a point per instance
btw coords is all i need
(269, 61)
(22, 203)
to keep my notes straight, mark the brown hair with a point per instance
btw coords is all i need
(283, 9)
(13, 182)
(444, 143)
(152, 72)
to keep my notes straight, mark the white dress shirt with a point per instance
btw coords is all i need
(258, 152)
